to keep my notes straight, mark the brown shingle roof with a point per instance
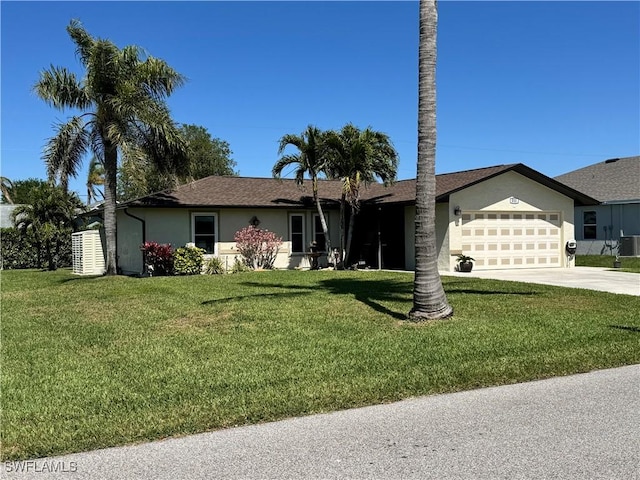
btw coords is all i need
(613, 180)
(246, 192)
(218, 191)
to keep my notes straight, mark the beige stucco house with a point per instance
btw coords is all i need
(506, 216)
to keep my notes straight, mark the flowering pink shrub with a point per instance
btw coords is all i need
(258, 247)
(158, 258)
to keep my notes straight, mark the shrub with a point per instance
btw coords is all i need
(258, 247)
(158, 258)
(188, 260)
(239, 266)
(21, 250)
(214, 266)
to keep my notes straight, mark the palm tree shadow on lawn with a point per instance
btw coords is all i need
(255, 295)
(374, 293)
(369, 292)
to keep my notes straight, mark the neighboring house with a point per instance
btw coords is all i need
(616, 184)
(6, 215)
(506, 216)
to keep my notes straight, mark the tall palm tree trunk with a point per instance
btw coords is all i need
(429, 299)
(325, 228)
(343, 227)
(352, 223)
(110, 169)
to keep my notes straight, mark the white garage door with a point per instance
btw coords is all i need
(512, 240)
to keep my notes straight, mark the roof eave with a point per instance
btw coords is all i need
(578, 197)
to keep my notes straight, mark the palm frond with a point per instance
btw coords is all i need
(157, 78)
(285, 161)
(293, 140)
(102, 71)
(61, 89)
(84, 42)
(63, 152)
(95, 178)
(5, 188)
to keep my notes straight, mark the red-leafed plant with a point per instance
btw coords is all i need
(258, 247)
(158, 258)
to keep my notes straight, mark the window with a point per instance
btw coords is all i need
(203, 231)
(589, 227)
(296, 232)
(318, 234)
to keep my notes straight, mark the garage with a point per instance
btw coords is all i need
(498, 240)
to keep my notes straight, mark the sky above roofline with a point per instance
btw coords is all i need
(553, 85)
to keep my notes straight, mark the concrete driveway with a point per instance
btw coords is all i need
(590, 278)
(576, 427)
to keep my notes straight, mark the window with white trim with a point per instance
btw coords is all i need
(204, 231)
(318, 234)
(296, 232)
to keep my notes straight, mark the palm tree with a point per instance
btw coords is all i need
(311, 160)
(429, 299)
(95, 178)
(358, 158)
(48, 217)
(5, 189)
(122, 99)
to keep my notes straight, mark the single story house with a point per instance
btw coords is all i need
(615, 183)
(506, 216)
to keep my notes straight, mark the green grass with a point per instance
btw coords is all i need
(96, 362)
(628, 264)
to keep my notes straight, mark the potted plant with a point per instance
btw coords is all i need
(465, 263)
(617, 263)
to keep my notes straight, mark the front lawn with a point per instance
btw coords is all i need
(96, 362)
(628, 264)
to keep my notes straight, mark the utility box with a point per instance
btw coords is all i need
(630, 246)
(87, 253)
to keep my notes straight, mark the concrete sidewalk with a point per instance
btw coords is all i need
(576, 427)
(591, 278)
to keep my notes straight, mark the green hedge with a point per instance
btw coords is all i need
(20, 251)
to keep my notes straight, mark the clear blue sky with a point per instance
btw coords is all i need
(554, 85)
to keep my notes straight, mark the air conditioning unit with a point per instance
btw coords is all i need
(630, 246)
(87, 253)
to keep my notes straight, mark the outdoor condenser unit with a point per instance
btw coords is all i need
(88, 256)
(630, 246)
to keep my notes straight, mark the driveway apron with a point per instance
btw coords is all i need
(590, 278)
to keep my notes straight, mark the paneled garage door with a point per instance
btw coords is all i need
(512, 240)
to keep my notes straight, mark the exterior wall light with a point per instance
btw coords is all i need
(457, 211)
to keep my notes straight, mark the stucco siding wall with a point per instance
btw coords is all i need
(168, 226)
(612, 222)
(232, 220)
(619, 220)
(443, 220)
(174, 226)
(509, 192)
(129, 240)
(277, 221)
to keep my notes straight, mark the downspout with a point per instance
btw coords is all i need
(144, 233)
